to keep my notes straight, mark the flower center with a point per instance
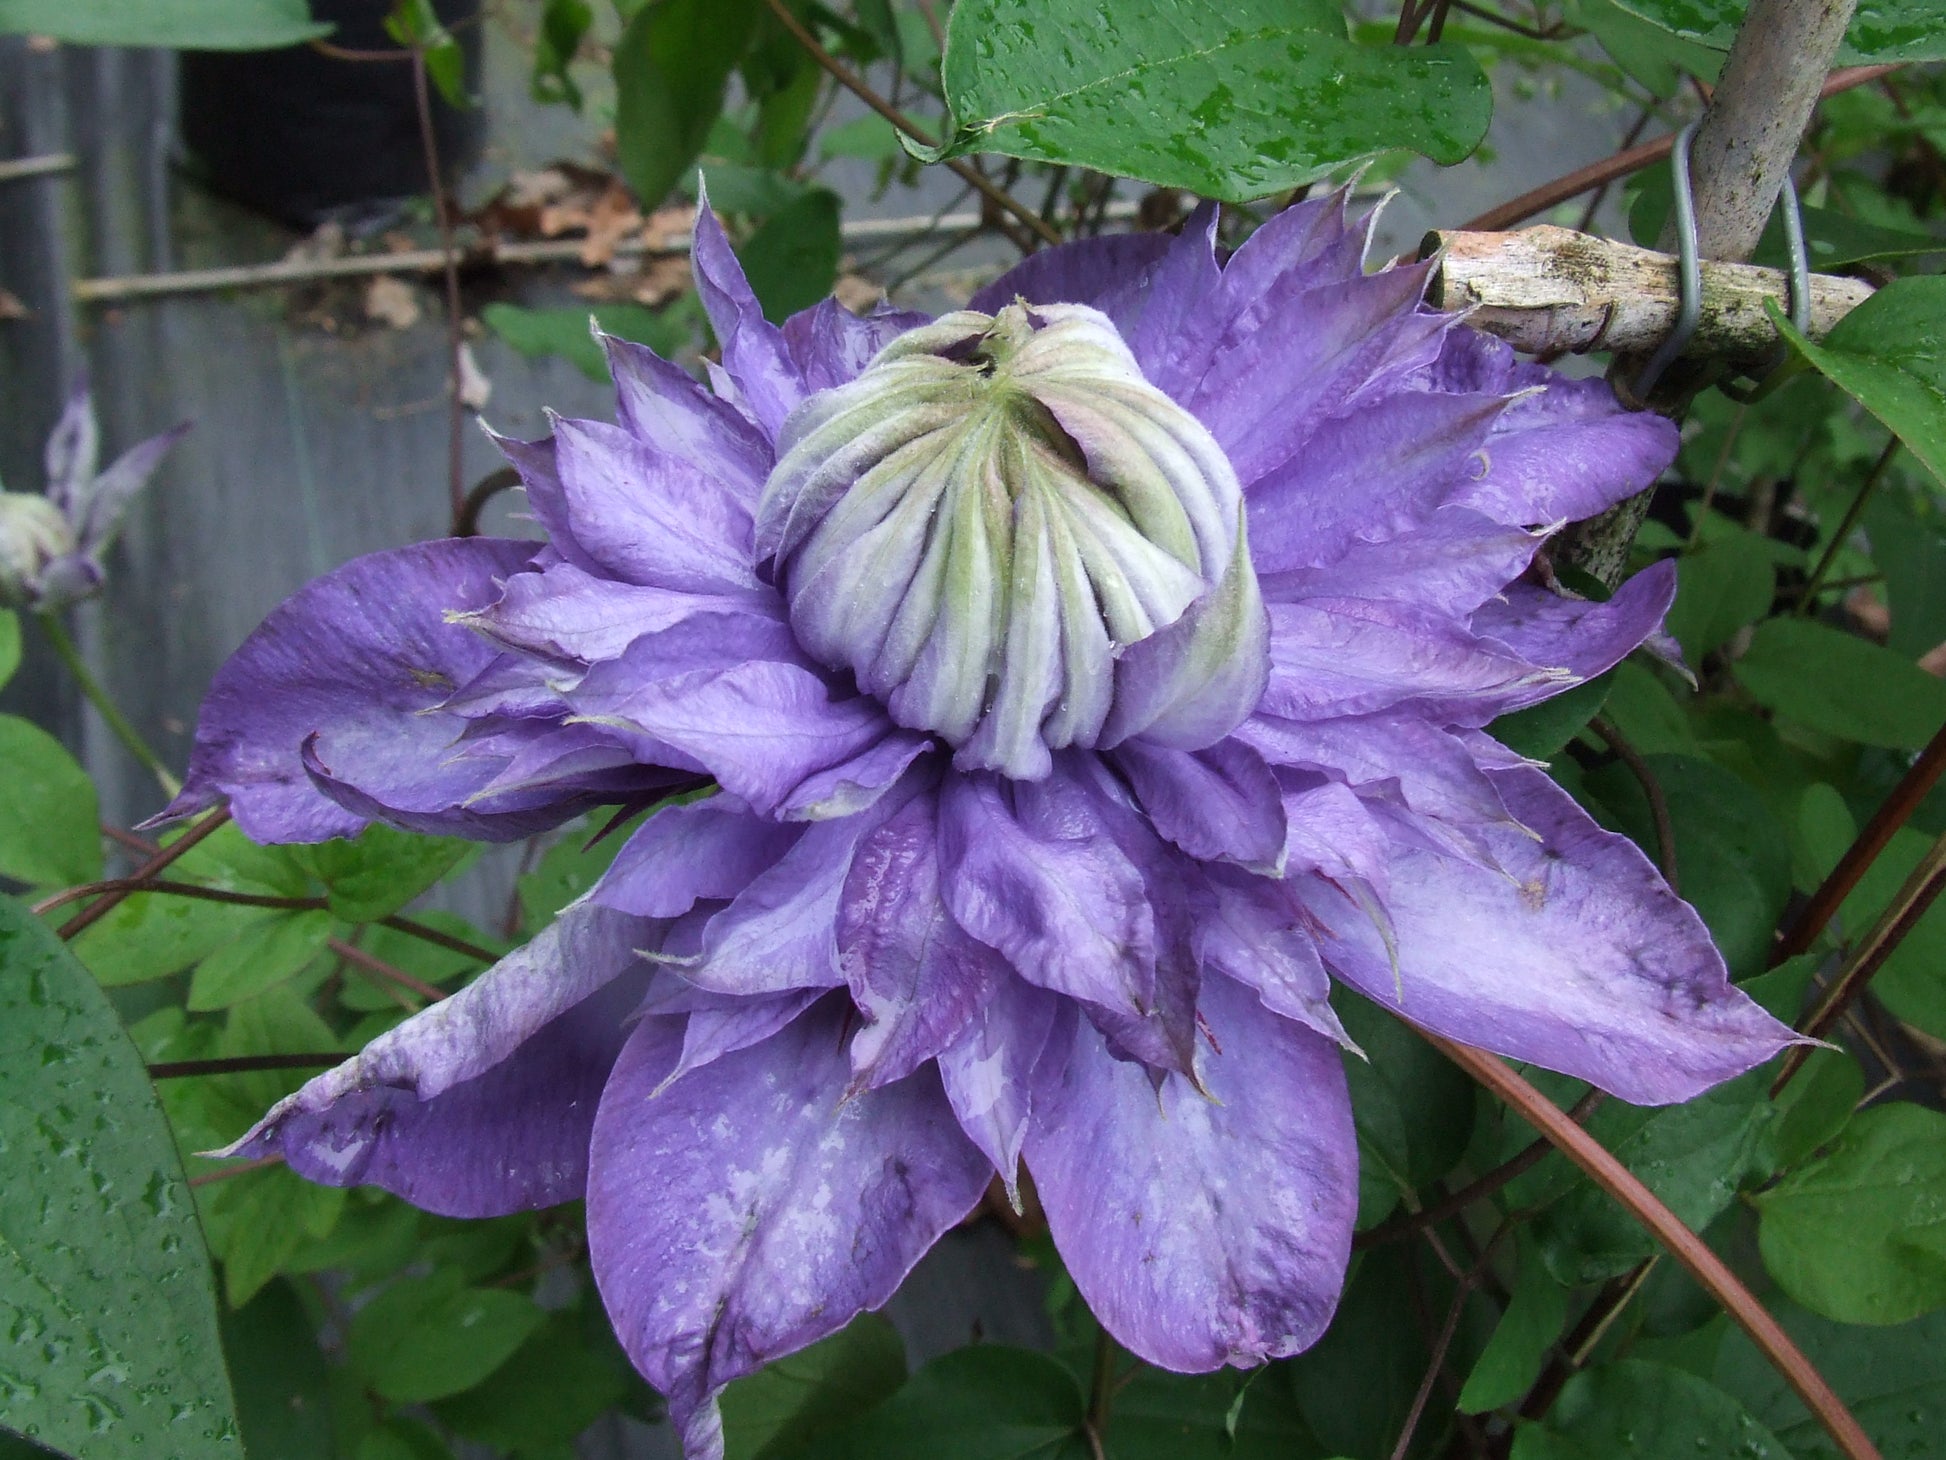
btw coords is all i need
(983, 521)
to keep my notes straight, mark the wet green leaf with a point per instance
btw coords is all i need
(1889, 355)
(111, 1347)
(554, 1387)
(792, 260)
(49, 832)
(1511, 1361)
(1882, 30)
(378, 872)
(1912, 980)
(1230, 101)
(9, 644)
(1839, 1234)
(537, 333)
(185, 25)
(279, 1373)
(980, 1403)
(1640, 1408)
(1541, 731)
(1722, 588)
(265, 954)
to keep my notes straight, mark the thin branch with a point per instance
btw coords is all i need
(449, 266)
(241, 1065)
(1443, 1343)
(1684, 1245)
(860, 88)
(96, 911)
(16, 169)
(128, 885)
(358, 958)
(1514, 1167)
(1898, 920)
(1629, 160)
(242, 1168)
(501, 479)
(1665, 828)
(427, 933)
(1897, 809)
(1101, 1391)
(1842, 533)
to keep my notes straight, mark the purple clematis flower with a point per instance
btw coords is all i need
(51, 546)
(1083, 677)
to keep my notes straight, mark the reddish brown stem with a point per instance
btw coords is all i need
(1684, 1245)
(1665, 827)
(242, 1168)
(358, 958)
(95, 912)
(196, 890)
(1913, 788)
(1623, 163)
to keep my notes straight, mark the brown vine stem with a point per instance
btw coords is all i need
(1629, 160)
(242, 1168)
(1101, 1394)
(860, 88)
(1913, 788)
(196, 890)
(242, 1064)
(1684, 1245)
(1808, 599)
(1443, 1342)
(1901, 915)
(96, 911)
(1665, 828)
(377, 967)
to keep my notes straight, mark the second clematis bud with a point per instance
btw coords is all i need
(1016, 542)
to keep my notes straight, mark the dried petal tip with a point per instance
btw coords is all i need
(984, 520)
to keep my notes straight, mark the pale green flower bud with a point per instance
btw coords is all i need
(33, 536)
(985, 520)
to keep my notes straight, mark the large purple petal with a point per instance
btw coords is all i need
(1354, 656)
(361, 658)
(748, 1210)
(1434, 773)
(1030, 871)
(650, 516)
(831, 345)
(661, 404)
(703, 851)
(1576, 634)
(1367, 476)
(755, 357)
(1114, 273)
(916, 977)
(1218, 803)
(1203, 1230)
(989, 1073)
(1579, 958)
(1452, 563)
(565, 613)
(1255, 930)
(481, 1104)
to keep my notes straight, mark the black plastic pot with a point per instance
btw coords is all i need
(307, 137)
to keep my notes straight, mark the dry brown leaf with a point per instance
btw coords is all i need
(857, 293)
(390, 300)
(11, 307)
(658, 280)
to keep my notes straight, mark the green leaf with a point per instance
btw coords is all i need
(263, 955)
(1890, 1378)
(554, 1387)
(792, 260)
(1825, 830)
(427, 1337)
(1889, 354)
(1229, 101)
(259, 1222)
(869, 137)
(279, 1372)
(1511, 1361)
(1842, 685)
(1641, 707)
(1733, 861)
(1817, 1105)
(816, 1389)
(569, 869)
(418, 957)
(563, 24)
(1883, 30)
(1693, 1156)
(381, 870)
(415, 25)
(50, 834)
(112, 1349)
(985, 1402)
(9, 644)
(183, 25)
(1640, 1408)
(1833, 240)
(1722, 588)
(1542, 731)
(538, 333)
(1832, 1232)
(671, 67)
(1356, 1383)
(1223, 1416)
(1412, 1106)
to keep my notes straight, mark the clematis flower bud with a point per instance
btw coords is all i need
(34, 536)
(986, 520)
